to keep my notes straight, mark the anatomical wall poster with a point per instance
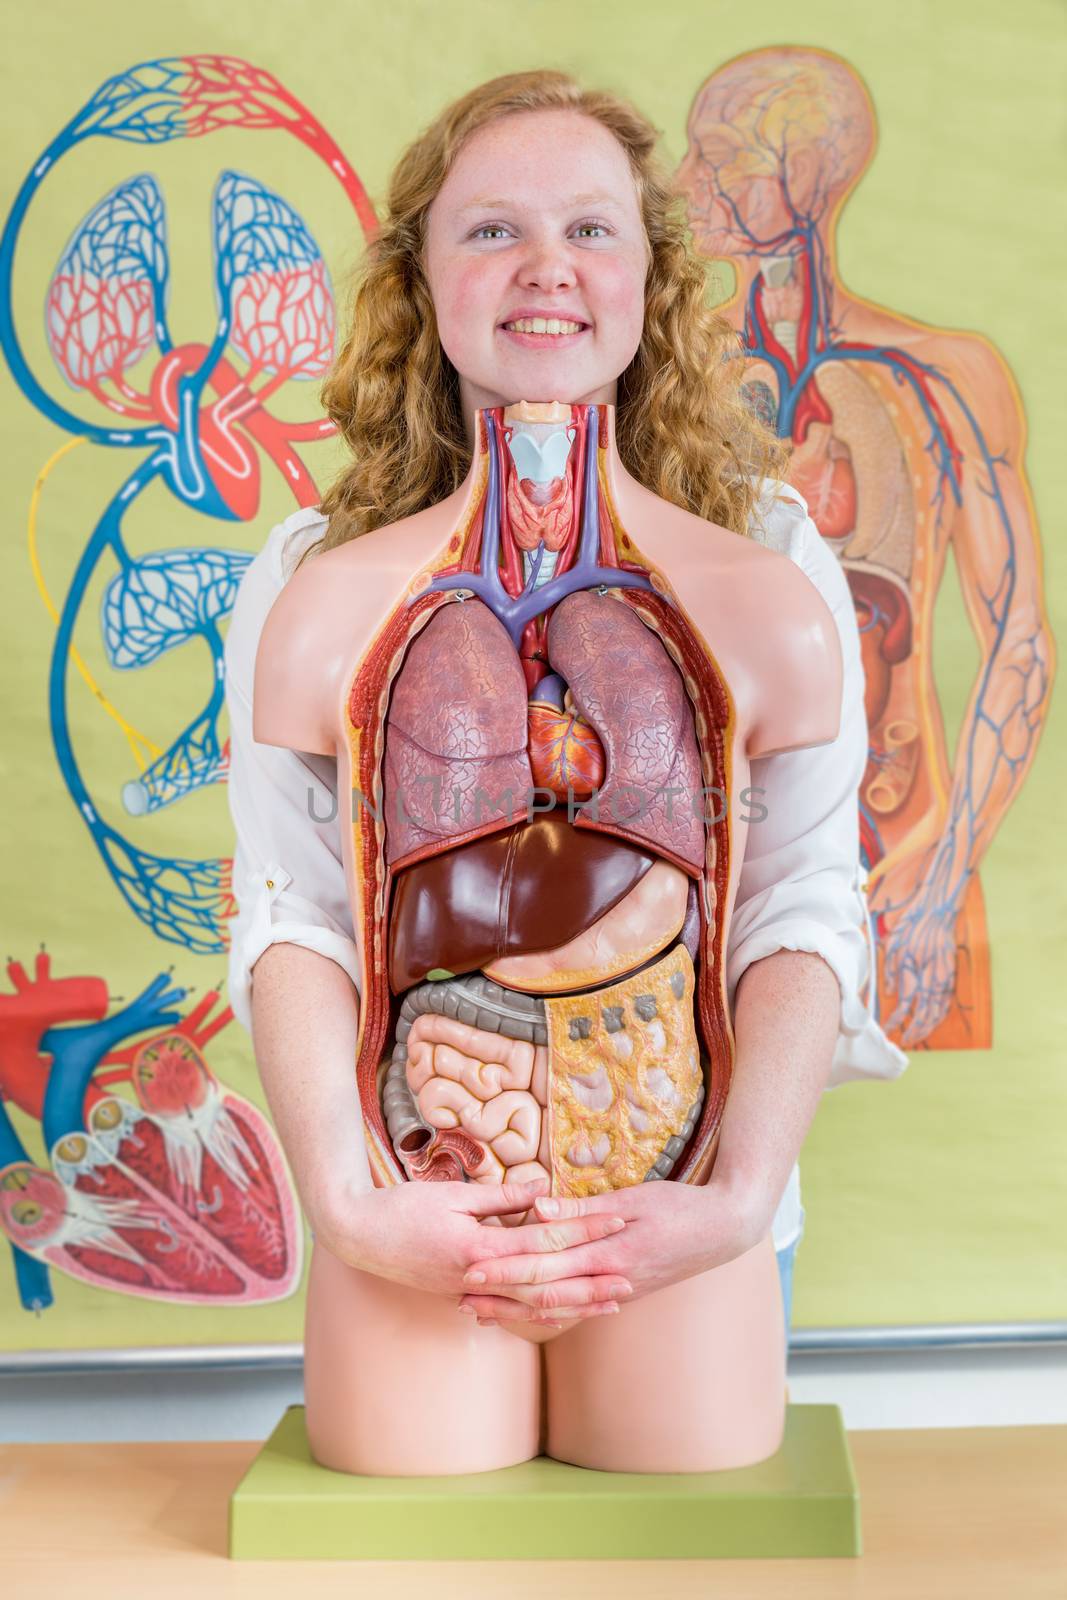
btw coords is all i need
(184, 200)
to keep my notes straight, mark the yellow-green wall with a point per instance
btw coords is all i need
(941, 1197)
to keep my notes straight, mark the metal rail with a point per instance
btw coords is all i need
(289, 1357)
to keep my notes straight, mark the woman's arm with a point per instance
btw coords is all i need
(305, 1015)
(786, 1021)
(288, 878)
(801, 884)
(293, 957)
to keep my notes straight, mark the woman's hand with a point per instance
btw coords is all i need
(427, 1235)
(673, 1231)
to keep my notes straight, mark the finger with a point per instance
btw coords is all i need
(491, 1199)
(539, 1238)
(501, 1309)
(574, 1314)
(550, 1208)
(600, 1289)
(497, 1307)
(581, 1261)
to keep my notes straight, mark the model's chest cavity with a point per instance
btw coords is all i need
(609, 730)
(545, 971)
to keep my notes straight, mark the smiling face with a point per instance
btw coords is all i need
(536, 229)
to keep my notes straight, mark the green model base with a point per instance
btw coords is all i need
(801, 1502)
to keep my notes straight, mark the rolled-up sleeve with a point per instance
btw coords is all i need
(288, 873)
(802, 884)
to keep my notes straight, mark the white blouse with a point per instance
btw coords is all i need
(801, 885)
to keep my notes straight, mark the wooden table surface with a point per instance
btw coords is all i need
(963, 1513)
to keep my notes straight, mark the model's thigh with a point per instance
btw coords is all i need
(397, 1381)
(691, 1379)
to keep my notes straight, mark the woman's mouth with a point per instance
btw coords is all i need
(540, 333)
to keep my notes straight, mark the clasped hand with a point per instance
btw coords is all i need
(577, 1258)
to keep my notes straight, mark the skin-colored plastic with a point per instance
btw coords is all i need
(691, 1378)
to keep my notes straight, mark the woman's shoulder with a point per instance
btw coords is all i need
(778, 518)
(782, 521)
(281, 570)
(383, 553)
(288, 540)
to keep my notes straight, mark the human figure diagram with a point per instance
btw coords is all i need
(908, 440)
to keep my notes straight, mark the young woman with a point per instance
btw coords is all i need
(532, 198)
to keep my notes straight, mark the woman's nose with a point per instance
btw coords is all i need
(547, 266)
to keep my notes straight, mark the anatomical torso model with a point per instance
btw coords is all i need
(543, 695)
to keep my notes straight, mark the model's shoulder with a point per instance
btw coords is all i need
(325, 615)
(686, 547)
(788, 613)
(775, 527)
(777, 539)
(782, 521)
(379, 556)
(287, 577)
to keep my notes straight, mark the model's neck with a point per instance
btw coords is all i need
(541, 493)
(541, 458)
(521, 584)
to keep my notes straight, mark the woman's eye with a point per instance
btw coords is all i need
(490, 230)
